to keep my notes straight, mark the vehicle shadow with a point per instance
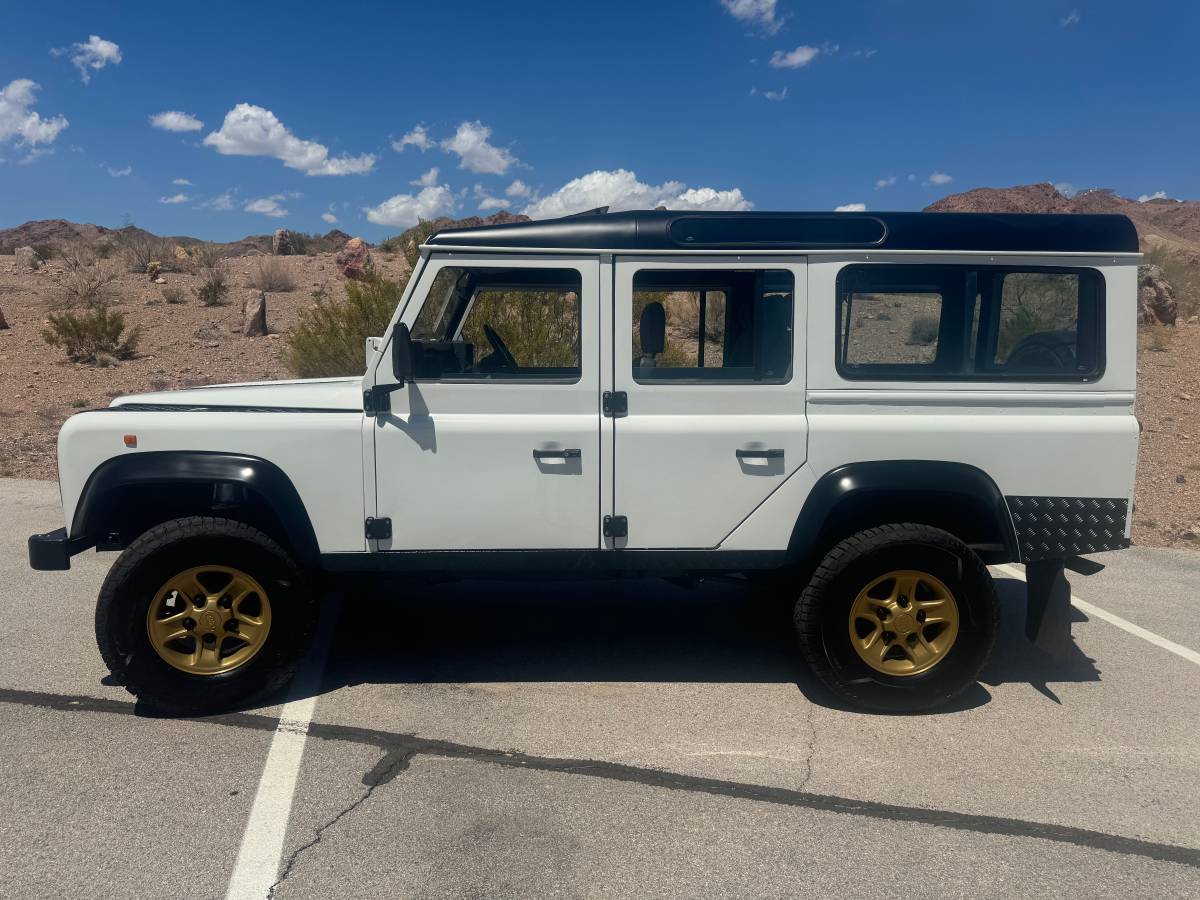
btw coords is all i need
(633, 630)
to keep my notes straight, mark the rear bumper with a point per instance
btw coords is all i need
(52, 551)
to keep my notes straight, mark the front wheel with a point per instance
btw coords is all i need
(899, 618)
(200, 615)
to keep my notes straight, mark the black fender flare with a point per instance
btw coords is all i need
(168, 467)
(850, 492)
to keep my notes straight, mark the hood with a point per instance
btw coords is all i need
(309, 393)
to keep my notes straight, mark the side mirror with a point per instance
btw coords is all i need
(402, 353)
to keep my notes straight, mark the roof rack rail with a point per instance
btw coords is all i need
(598, 211)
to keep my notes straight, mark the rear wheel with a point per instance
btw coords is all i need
(899, 618)
(204, 614)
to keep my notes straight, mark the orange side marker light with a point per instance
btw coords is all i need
(131, 440)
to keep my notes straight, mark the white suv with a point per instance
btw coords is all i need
(862, 409)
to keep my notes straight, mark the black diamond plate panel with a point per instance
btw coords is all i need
(1057, 527)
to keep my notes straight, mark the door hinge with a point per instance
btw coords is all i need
(615, 403)
(379, 529)
(616, 526)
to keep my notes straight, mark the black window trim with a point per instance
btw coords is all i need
(912, 372)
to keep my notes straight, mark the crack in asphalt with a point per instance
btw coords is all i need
(385, 770)
(400, 748)
(811, 750)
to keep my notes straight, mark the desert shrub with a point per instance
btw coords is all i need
(301, 243)
(44, 251)
(205, 256)
(173, 293)
(96, 335)
(330, 335)
(271, 274)
(214, 284)
(1159, 338)
(104, 250)
(213, 289)
(88, 280)
(7, 249)
(924, 330)
(140, 249)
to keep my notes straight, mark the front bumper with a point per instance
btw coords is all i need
(52, 551)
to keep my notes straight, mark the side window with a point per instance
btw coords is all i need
(500, 324)
(915, 322)
(712, 325)
(1039, 317)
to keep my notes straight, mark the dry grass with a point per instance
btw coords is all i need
(271, 275)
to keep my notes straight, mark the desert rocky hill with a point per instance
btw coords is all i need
(1173, 225)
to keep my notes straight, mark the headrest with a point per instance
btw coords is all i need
(653, 329)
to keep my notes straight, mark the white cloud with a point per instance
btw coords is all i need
(475, 154)
(940, 178)
(91, 56)
(405, 210)
(1065, 188)
(174, 120)
(120, 173)
(267, 206)
(864, 53)
(175, 198)
(620, 189)
(1157, 195)
(759, 13)
(20, 123)
(776, 95)
(328, 217)
(794, 59)
(182, 182)
(912, 177)
(1071, 18)
(518, 189)
(250, 130)
(418, 137)
(487, 202)
(881, 183)
(429, 179)
(851, 207)
(220, 203)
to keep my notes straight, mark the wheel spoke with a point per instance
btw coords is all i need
(906, 586)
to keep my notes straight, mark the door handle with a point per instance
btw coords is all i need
(759, 454)
(557, 454)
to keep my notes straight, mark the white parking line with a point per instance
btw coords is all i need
(1124, 624)
(258, 858)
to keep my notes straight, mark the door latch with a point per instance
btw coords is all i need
(615, 403)
(616, 526)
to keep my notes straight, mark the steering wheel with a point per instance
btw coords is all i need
(502, 351)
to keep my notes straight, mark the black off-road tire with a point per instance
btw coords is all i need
(172, 547)
(822, 617)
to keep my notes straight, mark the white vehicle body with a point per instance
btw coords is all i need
(673, 464)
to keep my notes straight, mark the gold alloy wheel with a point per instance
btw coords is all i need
(209, 619)
(904, 622)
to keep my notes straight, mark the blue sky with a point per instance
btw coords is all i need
(297, 115)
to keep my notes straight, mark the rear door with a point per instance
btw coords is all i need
(710, 355)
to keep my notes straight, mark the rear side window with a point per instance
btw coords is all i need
(900, 322)
(709, 325)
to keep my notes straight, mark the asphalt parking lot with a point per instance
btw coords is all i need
(599, 740)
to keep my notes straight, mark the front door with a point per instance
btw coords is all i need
(711, 356)
(494, 445)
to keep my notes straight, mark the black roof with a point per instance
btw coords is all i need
(675, 230)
